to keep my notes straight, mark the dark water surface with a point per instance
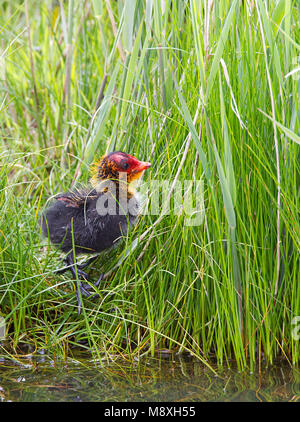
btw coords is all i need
(164, 378)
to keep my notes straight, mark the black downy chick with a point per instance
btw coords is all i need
(94, 220)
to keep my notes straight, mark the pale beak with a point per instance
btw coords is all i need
(143, 165)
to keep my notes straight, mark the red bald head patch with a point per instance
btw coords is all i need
(109, 167)
(126, 162)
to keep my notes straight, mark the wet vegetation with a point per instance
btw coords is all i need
(165, 378)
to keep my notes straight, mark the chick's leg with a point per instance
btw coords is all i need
(70, 260)
(87, 263)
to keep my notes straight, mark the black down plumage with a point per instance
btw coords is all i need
(77, 212)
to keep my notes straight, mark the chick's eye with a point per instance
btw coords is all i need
(125, 165)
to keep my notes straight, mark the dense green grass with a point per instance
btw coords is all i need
(201, 91)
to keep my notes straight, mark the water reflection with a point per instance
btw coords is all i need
(166, 378)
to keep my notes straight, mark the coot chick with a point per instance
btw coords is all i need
(93, 219)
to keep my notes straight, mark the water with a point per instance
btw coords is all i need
(164, 378)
